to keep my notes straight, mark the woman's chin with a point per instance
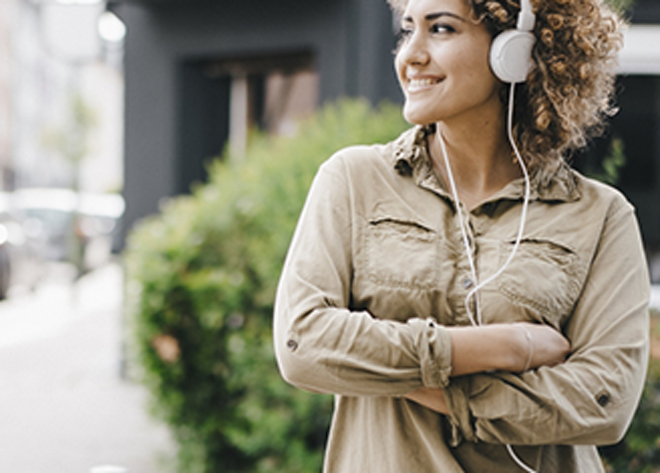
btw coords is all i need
(417, 117)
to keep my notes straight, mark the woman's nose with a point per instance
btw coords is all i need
(413, 51)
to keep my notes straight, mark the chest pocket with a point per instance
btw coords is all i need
(402, 253)
(544, 276)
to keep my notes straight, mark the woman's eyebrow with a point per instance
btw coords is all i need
(435, 16)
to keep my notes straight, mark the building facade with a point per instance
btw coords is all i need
(51, 58)
(198, 73)
(7, 15)
(637, 125)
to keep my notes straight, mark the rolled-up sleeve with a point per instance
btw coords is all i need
(591, 398)
(323, 346)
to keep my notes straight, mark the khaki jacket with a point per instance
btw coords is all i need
(377, 270)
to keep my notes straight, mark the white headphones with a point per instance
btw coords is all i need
(511, 51)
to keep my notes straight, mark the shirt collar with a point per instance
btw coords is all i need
(410, 159)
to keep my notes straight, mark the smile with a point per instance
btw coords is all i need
(422, 83)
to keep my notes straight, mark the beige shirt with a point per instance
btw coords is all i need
(377, 270)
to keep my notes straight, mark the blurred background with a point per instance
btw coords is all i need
(111, 110)
(61, 137)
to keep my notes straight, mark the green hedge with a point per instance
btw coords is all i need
(639, 451)
(201, 279)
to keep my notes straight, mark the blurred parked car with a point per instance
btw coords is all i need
(76, 227)
(21, 263)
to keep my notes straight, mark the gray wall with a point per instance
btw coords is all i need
(638, 123)
(352, 41)
(646, 11)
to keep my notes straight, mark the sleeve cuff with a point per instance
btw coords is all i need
(434, 350)
(460, 418)
(433, 345)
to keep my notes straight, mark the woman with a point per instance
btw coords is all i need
(380, 303)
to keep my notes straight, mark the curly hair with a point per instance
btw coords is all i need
(569, 93)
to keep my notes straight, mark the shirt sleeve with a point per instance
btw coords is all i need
(592, 397)
(323, 346)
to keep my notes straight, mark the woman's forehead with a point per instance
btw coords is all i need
(423, 7)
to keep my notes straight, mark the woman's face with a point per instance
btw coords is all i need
(442, 63)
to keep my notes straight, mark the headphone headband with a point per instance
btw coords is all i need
(526, 17)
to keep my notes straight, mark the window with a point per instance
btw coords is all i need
(221, 99)
(270, 93)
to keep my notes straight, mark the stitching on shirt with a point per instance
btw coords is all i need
(397, 222)
(420, 240)
(555, 303)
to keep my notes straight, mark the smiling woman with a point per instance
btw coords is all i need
(567, 95)
(473, 303)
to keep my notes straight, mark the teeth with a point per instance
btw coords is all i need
(419, 83)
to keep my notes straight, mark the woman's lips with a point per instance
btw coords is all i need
(422, 83)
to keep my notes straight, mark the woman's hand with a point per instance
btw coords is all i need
(540, 345)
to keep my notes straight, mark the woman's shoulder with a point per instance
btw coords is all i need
(593, 192)
(569, 192)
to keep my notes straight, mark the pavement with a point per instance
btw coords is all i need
(64, 408)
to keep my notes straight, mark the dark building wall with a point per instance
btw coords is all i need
(638, 124)
(646, 11)
(351, 41)
(637, 128)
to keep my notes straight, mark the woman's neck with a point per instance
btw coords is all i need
(481, 159)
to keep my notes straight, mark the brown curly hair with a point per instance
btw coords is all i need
(569, 93)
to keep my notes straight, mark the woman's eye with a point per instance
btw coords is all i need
(401, 38)
(404, 33)
(442, 28)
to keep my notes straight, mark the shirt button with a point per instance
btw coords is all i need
(467, 283)
(292, 345)
(603, 399)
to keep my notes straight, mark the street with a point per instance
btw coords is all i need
(63, 406)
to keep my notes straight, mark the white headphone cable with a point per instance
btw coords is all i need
(523, 215)
(466, 243)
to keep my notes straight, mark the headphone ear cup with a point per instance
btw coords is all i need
(511, 55)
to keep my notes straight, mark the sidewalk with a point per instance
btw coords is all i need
(63, 406)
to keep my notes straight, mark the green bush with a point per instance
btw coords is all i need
(201, 279)
(639, 451)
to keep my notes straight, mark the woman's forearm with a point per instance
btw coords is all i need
(487, 348)
(474, 350)
(504, 347)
